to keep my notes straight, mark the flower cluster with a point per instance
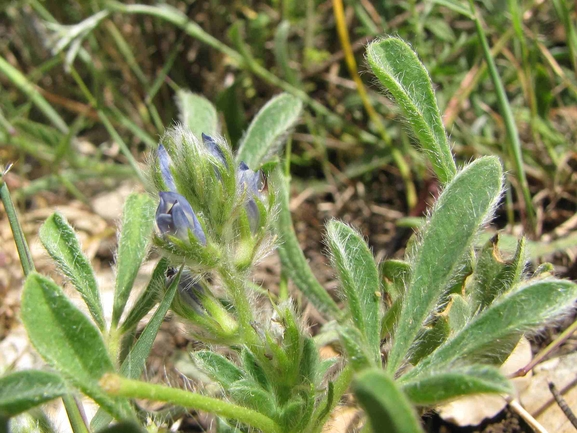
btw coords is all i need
(213, 216)
(211, 210)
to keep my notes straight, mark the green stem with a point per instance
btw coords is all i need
(118, 386)
(75, 417)
(19, 238)
(507, 113)
(235, 287)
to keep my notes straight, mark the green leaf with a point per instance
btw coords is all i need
(267, 130)
(396, 275)
(459, 313)
(493, 275)
(526, 308)
(148, 298)
(254, 369)
(247, 394)
(398, 68)
(137, 224)
(465, 204)
(387, 408)
(68, 340)
(293, 260)
(217, 367)
(197, 113)
(135, 361)
(61, 243)
(429, 339)
(351, 339)
(439, 387)
(359, 278)
(23, 390)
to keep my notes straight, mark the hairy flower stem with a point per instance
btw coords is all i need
(119, 386)
(234, 284)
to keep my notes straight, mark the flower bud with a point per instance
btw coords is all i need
(213, 148)
(251, 182)
(174, 216)
(164, 162)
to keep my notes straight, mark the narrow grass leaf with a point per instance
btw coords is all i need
(137, 224)
(465, 204)
(148, 298)
(268, 129)
(359, 279)
(439, 387)
(61, 243)
(23, 390)
(197, 113)
(68, 341)
(293, 260)
(526, 308)
(387, 408)
(399, 69)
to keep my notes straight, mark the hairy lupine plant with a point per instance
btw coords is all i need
(418, 331)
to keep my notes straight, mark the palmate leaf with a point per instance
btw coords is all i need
(398, 68)
(68, 340)
(266, 131)
(387, 408)
(359, 279)
(23, 390)
(61, 243)
(137, 224)
(465, 204)
(527, 307)
(438, 387)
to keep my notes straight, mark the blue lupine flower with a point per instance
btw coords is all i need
(213, 148)
(252, 181)
(165, 162)
(174, 216)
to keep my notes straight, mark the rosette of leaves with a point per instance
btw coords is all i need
(449, 313)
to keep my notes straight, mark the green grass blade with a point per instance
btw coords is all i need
(62, 244)
(507, 113)
(359, 279)
(525, 309)
(398, 68)
(266, 133)
(68, 340)
(137, 225)
(439, 387)
(293, 260)
(23, 390)
(197, 113)
(26, 87)
(281, 53)
(387, 408)
(465, 204)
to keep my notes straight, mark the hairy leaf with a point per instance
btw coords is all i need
(529, 306)
(23, 390)
(61, 243)
(217, 367)
(268, 129)
(359, 278)
(197, 113)
(68, 340)
(137, 224)
(398, 68)
(465, 204)
(438, 387)
(387, 408)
